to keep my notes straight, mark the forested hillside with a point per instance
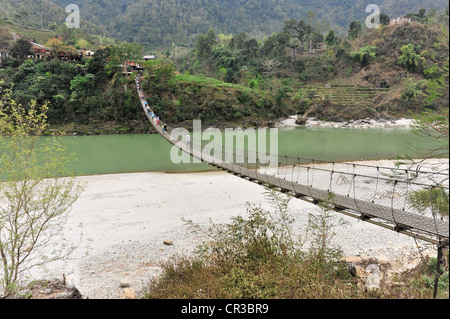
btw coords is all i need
(393, 71)
(162, 23)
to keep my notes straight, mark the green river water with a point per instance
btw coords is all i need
(109, 154)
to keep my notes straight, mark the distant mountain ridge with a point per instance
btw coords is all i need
(161, 23)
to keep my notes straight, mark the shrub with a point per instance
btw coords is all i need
(365, 55)
(410, 59)
(258, 256)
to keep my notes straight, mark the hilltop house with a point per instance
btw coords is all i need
(399, 21)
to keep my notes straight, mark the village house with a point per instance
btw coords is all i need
(149, 57)
(39, 51)
(87, 54)
(4, 54)
(398, 20)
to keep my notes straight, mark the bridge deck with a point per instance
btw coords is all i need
(403, 220)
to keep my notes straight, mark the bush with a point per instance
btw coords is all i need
(410, 58)
(365, 55)
(258, 256)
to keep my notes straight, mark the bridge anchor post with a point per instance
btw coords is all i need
(438, 270)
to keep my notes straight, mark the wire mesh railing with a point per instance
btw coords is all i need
(408, 195)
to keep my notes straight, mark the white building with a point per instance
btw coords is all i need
(399, 21)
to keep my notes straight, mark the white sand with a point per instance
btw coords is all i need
(127, 217)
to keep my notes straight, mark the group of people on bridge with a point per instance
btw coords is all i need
(155, 118)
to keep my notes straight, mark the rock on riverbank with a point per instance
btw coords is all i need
(294, 121)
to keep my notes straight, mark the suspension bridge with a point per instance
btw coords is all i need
(384, 196)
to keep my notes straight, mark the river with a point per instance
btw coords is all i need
(109, 154)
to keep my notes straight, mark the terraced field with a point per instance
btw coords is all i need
(343, 96)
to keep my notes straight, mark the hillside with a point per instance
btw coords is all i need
(387, 72)
(384, 86)
(160, 23)
(38, 14)
(238, 80)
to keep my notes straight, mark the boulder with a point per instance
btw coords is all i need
(54, 289)
(300, 121)
(168, 242)
(129, 293)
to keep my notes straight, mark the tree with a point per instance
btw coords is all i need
(294, 44)
(422, 13)
(297, 29)
(21, 49)
(55, 45)
(270, 67)
(384, 19)
(237, 42)
(161, 70)
(410, 58)
(37, 190)
(120, 55)
(434, 126)
(365, 55)
(5, 35)
(205, 44)
(330, 38)
(355, 29)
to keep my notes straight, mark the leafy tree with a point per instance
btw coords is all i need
(36, 193)
(205, 43)
(161, 70)
(365, 55)
(81, 86)
(55, 45)
(297, 29)
(237, 42)
(434, 126)
(435, 198)
(294, 44)
(120, 54)
(21, 49)
(410, 58)
(96, 65)
(422, 13)
(355, 29)
(384, 19)
(413, 90)
(330, 38)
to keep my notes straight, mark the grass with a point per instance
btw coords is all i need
(40, 36)
(201, 79)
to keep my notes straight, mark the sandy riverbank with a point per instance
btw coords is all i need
(127, 217)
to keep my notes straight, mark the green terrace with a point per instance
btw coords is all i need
(345, 96)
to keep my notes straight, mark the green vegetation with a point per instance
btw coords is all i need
(84, 93)
(259, 256)
(168, 25)
(240, 80)
(365, 55)
(245, 66)
(410, 59)
(376, 73)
